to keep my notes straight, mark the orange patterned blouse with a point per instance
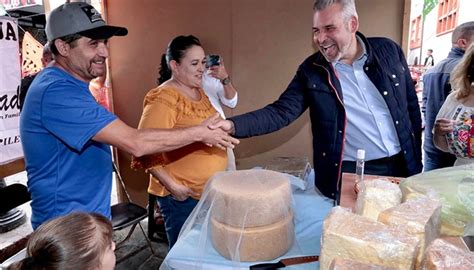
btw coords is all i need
(191, 165)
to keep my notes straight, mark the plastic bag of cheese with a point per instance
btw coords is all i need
(442, 255)
(350, 236)
(376, 196)
(454, 188)
(243, 216)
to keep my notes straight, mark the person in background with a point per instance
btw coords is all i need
(429, 60)
(360, 96)
(100, 90)
(46, 58)
(178, 177)
(219, 88)
(66, 135)
(436, 87)
(75, 241)
(454, 126)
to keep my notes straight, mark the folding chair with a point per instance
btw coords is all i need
(127, 214)
(12, 196)
(153, 226)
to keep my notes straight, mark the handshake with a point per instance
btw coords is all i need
(214, 131)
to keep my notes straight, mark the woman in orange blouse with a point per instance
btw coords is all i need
(178, 177)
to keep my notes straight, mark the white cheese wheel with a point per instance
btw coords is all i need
(250, 198)
(263, 243)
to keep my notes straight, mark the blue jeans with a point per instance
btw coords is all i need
(437, 160)
(175, 214)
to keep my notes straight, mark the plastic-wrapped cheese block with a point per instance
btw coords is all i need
(345, 264)
(419, 217)
(376, 196)
(262, 243)
(454, 187)
(250, 198)
(350, 236)
(441, 255)
(251, 216)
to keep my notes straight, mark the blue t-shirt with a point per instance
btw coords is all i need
(67, 171)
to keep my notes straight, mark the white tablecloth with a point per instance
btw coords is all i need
(310, 208)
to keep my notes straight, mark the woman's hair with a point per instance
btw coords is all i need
(75, 241)
(175, 51)
(461, 80)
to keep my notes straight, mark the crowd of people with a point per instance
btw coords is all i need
(436, 88)
(358, 91)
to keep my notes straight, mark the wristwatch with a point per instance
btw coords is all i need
(226, 81)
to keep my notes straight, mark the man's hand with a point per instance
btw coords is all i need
(225, 125)
(216, 136)
(443, 126)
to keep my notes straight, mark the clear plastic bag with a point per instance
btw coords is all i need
(454, 188)
(243, 216)
(350, 236)
(443, 255)
(376, 196)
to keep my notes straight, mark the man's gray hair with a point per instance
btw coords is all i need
(348, 7)
(465, 31)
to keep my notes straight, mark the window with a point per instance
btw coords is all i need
(447, 16)
(415, 34)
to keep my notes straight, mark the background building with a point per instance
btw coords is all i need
(431, 26)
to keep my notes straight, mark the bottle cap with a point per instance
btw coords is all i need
(360, 154)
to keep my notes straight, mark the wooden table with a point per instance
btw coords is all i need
(348, 195)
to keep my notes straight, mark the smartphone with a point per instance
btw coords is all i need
(213, 60)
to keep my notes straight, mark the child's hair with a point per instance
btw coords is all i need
(75, 241)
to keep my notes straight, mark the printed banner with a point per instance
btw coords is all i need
(10, 78)
(13, 4)
(428, 6)
(31, 52)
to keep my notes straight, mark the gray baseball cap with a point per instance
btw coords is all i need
(80, 18)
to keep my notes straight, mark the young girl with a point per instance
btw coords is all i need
(75, 241)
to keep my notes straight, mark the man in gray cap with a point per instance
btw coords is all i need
(66, 135)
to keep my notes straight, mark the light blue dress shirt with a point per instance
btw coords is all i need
(369, 122)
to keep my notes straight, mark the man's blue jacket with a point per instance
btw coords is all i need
(316, 86)
(436, 87)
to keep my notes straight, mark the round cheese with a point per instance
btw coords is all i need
(250, 198)
(253, 244)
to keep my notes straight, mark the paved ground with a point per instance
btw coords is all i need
(135, 252)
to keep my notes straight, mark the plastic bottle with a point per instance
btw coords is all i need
(470, 145)
(360, 168)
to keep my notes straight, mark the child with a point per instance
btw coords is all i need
(75, 241)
